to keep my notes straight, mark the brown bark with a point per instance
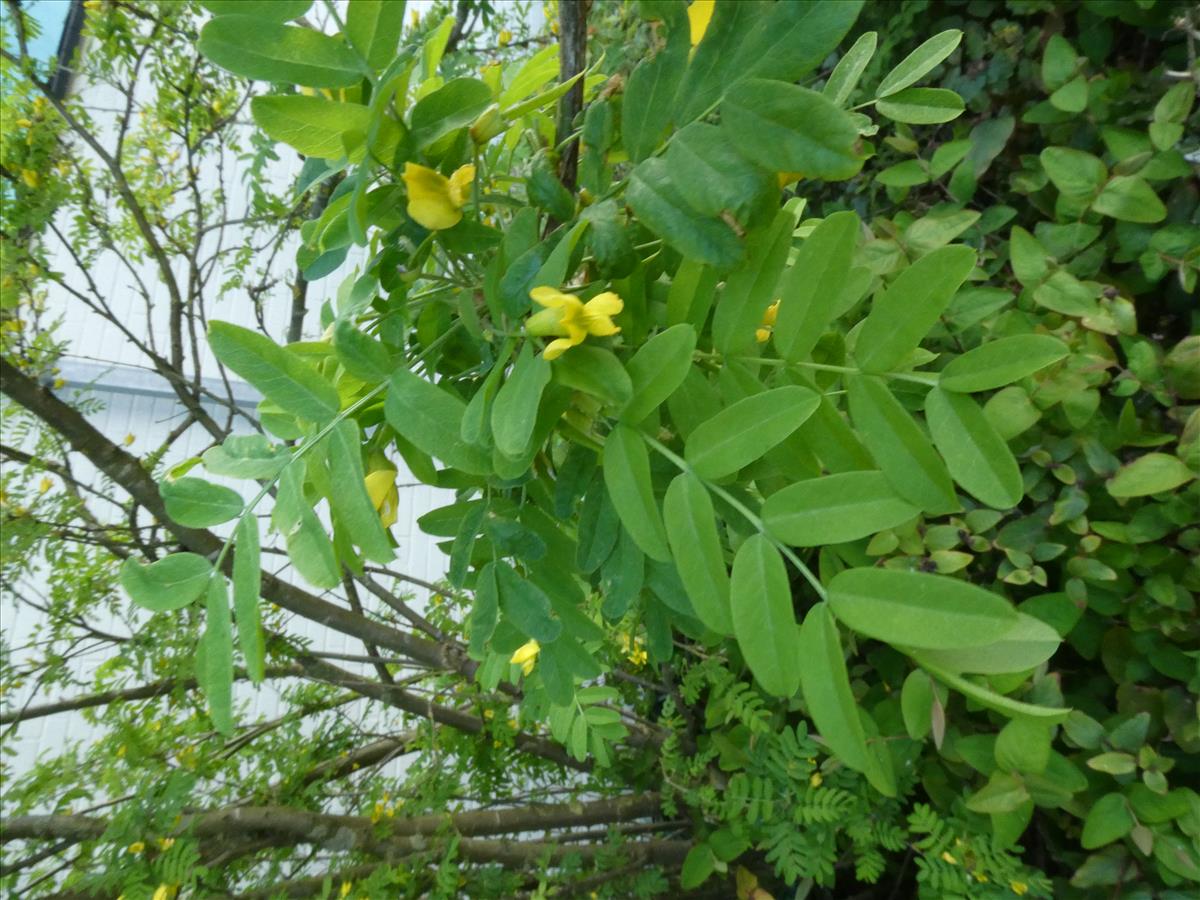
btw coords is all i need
(572, 55)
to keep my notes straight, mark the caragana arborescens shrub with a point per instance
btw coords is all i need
(855, 402)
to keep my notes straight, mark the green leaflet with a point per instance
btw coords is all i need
(455, 105)
(830, 700)
(1025, 646)
(247, 584)
(763, 621)
(786, 128)
(664, 210)
(699, 558)
(246, 456)
(833, 509)
(515, 409)
(750, 288)
(596, 371)
(845, 75)
(922, 106)
(913, 609)
(916, 705)
(477, 413)
(374, 27)
(920, 62)
(270, 51)
(308, 546)
(1001, 362)
(782, 41)
(627, 477)
(431, 419)
(978, 458)
(713, 177)
(282, 376)
(217, 674)
(622, 577)
(1149, 474)
(196, 503)
(811, 287)
(349, 499)
(911, 465)
(526, 605)
(692, 292)
(911, 305)
(657, 369)
(363, 357)
(274, 10)
(744, 431)
(168, 583)
(1107, 821)
(648, 109)
(485, 613)
(1130, 199)
(990, 698)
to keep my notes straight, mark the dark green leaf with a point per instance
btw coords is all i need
(920, 62)
(349, 498)
(664, 210)
(763, 621)
(657, 369)
(810, 289)
(525, 605)
(431, 418)
(515, 409)
(648, 107)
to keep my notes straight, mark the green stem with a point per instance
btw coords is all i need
(926, 378)
(749, 516)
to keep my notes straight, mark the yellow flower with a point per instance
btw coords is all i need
(45, 485)
(763, 332)
(137, 847)
(166, 843)
(164, 892)
(59, 384)
(129, 439)
(570, 317)
(947, 856)
(526, 656)
(699, 15)
(1019, 888)
(505, 37)
(24, 123)
(634, 651)
(385, 497)
(345, 891)
(435, 201)
(31, 178)
(815, 779)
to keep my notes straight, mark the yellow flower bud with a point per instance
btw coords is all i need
(31, 178)
(505, 37)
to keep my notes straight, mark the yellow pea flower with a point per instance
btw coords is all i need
(45, 485)
(31, 178)
(505, 37)
(572, 319)
(129, 439)
(1019, 888)
(763, 333)
(385, 497)
(346, 888)
(24, 123)
(137, 847)
(164, 892)
(699, 15)
(947, 856)
(526, 655)
(815, 779)
(166, 843)
(435, 201)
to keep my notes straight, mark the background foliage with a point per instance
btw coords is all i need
(850, 552)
